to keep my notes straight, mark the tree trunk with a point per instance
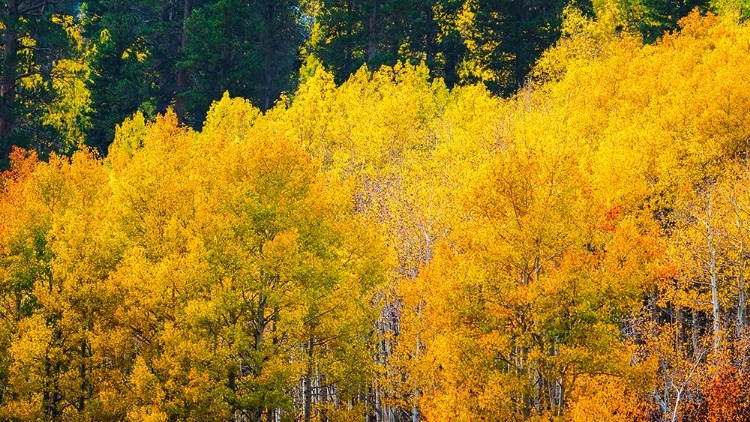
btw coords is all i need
(270, 67)
(260, 329)
(741, 300)
(372, 47)
(308, 381)
(740, 279)
(349, 63)
(9, 71)
(713, 273)
(268, 79)
(83, 375)
(232, 385)
(179, 101)
(51, 397)
(695, 331)
(431, 37)
(415, 416)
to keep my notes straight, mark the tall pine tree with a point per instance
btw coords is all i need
(33, 40)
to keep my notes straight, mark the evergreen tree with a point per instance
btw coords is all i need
(462, 41)
(663, 15)
(186, 53)
(33, 39)
(508, 37)
(247, 48)
(382, 32)
(136, 45)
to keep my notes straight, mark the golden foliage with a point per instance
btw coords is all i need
(576, 252)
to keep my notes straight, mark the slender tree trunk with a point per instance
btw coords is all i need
(712, 269)
(415, 395)
(526, 402)
(372, 46)
(182, 77)
(308, 381)
(681, 324)
(431, 36)
(261, 324)
(562, 397)
(260, 329)
(50, 393)
(741, 299)
(740, 278)
(232, 385)
(83, 375)
(349, 63)
(694, 331)
(518, 71)
(270, 67)
(87, 388)
(9, 71)
(267, 100)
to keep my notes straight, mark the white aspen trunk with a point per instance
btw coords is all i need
(414, 408)
(712, 269)
(740, 274)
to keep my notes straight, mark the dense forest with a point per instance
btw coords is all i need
(375, 210)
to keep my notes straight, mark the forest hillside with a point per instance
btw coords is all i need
(384, 243)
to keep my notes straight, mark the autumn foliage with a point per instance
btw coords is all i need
(390, 249)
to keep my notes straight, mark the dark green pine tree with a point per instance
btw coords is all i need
(185, 54)
(31, 43)
(134, 61)
(509, 36)
(347, 30)
(663, 15)
(376, 32)
(450, 46)
(422, 30)
(248, 48)
(382, 32)
(518, 31)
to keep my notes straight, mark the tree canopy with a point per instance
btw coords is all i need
(391, 239)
